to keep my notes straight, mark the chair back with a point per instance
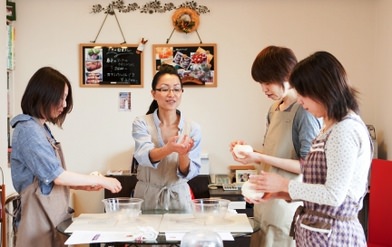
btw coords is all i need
(380, 201)
(134, 165)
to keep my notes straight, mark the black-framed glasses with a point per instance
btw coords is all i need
(167, 90)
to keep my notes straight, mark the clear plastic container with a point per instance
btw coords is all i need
(201, 238)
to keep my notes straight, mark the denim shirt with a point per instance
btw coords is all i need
(32, 155)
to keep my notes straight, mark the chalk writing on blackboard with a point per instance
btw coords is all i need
(107, 64)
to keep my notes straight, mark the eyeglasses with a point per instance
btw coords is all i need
(167, 90)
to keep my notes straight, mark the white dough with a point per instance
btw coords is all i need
(96, 173)
(249, 192)
(242, 148)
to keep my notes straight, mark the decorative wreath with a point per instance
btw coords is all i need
(185, 20)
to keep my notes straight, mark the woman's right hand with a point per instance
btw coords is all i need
(233, 143)
(111, 184)
(248, 157)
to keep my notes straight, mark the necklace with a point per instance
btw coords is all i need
(327, 127)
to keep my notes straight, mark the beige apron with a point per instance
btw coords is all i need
(160, 187)
(42, 213)
(274, 217)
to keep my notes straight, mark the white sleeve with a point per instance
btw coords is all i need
(342, 150)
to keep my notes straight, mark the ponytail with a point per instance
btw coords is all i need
(153, 107)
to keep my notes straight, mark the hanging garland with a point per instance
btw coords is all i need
(149, 7)
(185, 20)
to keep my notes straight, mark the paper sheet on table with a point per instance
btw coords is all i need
(234, 223)
(177, 236)
(85, 237)
(110, 223)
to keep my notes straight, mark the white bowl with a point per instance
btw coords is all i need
(210, 207)
(242, 148)
(123, 205)
(249, 192)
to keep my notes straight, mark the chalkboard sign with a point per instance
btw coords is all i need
(110, 65)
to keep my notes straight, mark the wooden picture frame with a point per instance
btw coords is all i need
(196, 63)
(221, 179)
(110, 65)
(11, 11)
(241, 176)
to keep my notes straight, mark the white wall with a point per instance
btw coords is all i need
(96, 136)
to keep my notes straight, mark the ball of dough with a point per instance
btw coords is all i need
(248, 191)
(242, 148)
(96, 173)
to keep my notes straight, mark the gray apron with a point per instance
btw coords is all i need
(160, 187)
(42, 213)
(274, 217)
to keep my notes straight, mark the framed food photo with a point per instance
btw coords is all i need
(195, 63)
(110, 65)
(241, 176)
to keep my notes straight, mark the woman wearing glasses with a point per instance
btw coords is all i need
(167, 147)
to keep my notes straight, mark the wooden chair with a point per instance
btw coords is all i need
(12, 207)
(3, 218)
(380, 201)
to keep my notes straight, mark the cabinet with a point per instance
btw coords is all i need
(9, 45)
(3, 218)
(10, 77)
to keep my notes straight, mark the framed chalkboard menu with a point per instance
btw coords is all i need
(110, 65)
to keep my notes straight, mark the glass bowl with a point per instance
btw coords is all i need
(210, 208)
(123, 205)
(201, 238)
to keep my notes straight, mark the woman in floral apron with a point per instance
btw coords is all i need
(336, 169)
(37, 166)
(167, 147)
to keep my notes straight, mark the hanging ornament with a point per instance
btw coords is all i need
(140, 47)
(185, 20)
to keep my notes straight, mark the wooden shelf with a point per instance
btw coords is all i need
(242, 167)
